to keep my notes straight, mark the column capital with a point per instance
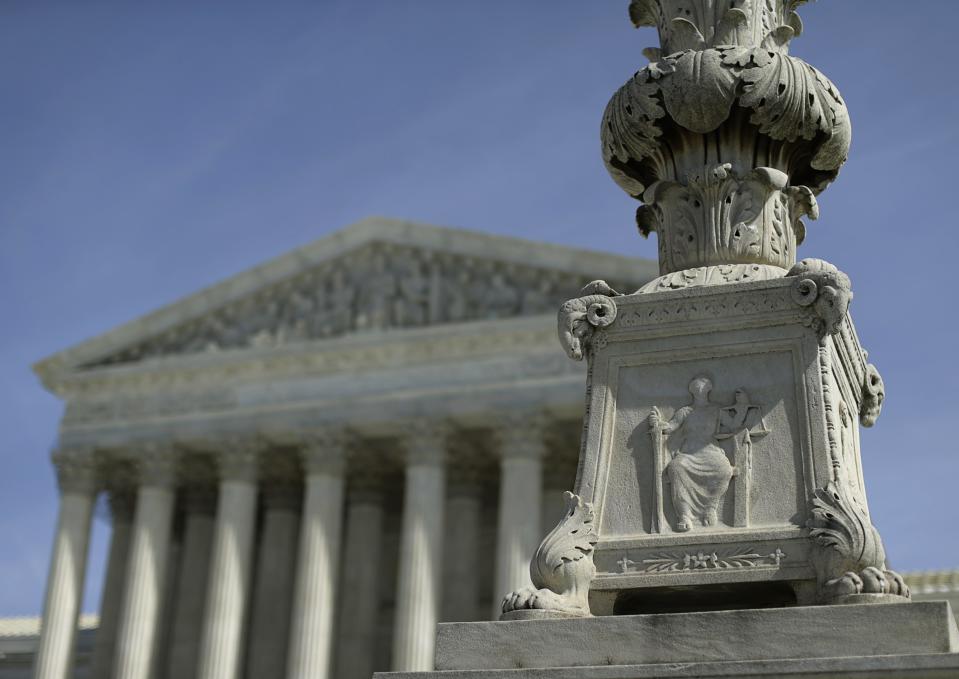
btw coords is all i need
(239, 458)
(424, 442)
(76, 469)
(324, 451)
(156, 463)
(521, 434)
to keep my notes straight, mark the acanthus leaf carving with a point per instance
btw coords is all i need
(562, 567)
(789, 98)
(699, 91)
(849, 559)
(716, 217)
(723, 90)
(685, 24)
(579, 317)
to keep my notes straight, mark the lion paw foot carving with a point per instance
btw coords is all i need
(870, 580)
(561, 569)
(543, 600)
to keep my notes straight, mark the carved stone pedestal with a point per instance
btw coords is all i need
(720, 465)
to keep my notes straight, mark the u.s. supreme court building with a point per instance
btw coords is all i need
(310, 464)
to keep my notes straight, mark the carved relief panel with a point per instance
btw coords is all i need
(688, 444)
(373, 289)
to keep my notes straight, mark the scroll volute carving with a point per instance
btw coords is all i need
(579, 318)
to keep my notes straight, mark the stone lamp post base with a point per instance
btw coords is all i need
(918, 640)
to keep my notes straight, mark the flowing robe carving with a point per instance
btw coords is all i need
(699, 472)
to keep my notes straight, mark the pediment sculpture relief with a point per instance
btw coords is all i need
(376, 288)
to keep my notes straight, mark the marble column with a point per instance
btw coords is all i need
(359, 609)
(421, 549)
(273, 585)
(111, 598)
(520, 445)
(199, 507)
(461, 582)
(77, 481)
(224, 617)
(311, 638)
(138, 634)
(161, 658)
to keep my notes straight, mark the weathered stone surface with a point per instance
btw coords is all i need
(755, 634)
(913, 666)
(720, 447)
(725, 137)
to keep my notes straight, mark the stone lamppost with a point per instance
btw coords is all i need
(719, 473)
(720, 448)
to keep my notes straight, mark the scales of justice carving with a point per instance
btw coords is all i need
(699, 471)
(726, 140)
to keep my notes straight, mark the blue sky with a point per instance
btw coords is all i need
(150, 150)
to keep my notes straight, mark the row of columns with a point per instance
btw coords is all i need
(298, 584)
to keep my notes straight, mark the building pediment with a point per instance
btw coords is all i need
(377, 275)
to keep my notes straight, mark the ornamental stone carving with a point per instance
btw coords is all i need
(873, 394)
(825, 289)
(716, 217)
(561, 569)
(718, 559)
(579, 317)
(850, 560)
(699, 471)
(686, 25)
(772, 131)
(376, 288)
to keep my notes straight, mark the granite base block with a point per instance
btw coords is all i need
(898, 640)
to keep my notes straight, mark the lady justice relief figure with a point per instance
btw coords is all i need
(699, 471)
